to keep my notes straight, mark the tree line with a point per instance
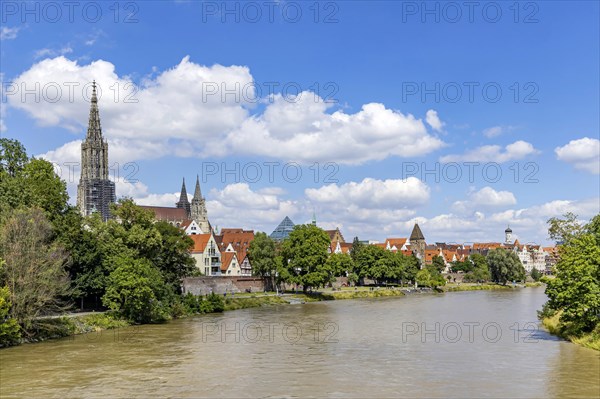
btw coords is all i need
(53, 259)
(303, 260)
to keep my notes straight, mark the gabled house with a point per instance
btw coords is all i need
(191, 227)
(206, 254)
(230, 265)
(238, 241)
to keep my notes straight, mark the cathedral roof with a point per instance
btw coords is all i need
(167, 214)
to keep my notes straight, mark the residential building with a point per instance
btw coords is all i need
(206, 254)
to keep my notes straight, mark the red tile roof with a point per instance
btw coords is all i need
(239, 239)
(167, 214)
(200, 241)
(226, 258)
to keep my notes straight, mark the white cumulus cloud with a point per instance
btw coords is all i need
(494, 153)
(583, 154)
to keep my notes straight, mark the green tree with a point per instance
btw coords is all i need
(593, 228)
(355, 248)
(262, 254)
(438, 263)
(10, 331)
(338, 265)
(576, 288)
(465, 266)
(480, 271)
(365, 265)
(29, 183)
(304, 254)
(13, 157)
(173, 257)
(562, 230)
(136, 289)
(35, 266)
(535, 274)
(411, 267)
(505, 266)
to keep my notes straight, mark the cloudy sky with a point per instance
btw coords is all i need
(372, 115)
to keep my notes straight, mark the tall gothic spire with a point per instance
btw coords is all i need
(197, 192)
(183, 195)
(183, 201)
(94, 131)
(95, 191)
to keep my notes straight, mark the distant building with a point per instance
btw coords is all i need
(417, 242)
(236, 241)
(184, 213)
(335, 235)
(283, 230)
(508, 235)
(95, 191)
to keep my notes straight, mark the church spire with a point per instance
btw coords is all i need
(183, 195)
(183, 201)
(197, 192)
(94, 131)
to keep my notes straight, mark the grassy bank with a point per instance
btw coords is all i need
(476, 287)
(554, 326)
(60, 327)
(253, 302)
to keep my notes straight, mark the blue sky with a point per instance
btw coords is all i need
(392, 70)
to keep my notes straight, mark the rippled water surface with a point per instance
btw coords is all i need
(463, 344)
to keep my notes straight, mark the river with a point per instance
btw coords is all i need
(460, 344)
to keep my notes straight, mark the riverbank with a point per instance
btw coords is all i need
(60, 327)
(590, 340)
(476, 287)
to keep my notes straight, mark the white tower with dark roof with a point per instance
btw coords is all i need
(508, 236)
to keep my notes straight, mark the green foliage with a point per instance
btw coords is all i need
(423, 278)
(479, 271)
(338, 265)
(264, 259)
(29, 183)
(576, 288)
(536, 275)
(563, 230)
(305, 254)
(10, 331)
(173, 258)
(136, 289)
(505, 266)
(261, 253)
(12, 157)
(34, 270)
(357, 246)
(438, 263)
(593, 228)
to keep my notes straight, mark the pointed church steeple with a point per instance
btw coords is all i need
(197, 191)
(94, 131)
(199, 213)
(183, 201)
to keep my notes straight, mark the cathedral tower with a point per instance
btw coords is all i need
(198, 210)
(184, 202)
(95, 191)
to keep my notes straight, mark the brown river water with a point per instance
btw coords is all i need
(462, 344)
